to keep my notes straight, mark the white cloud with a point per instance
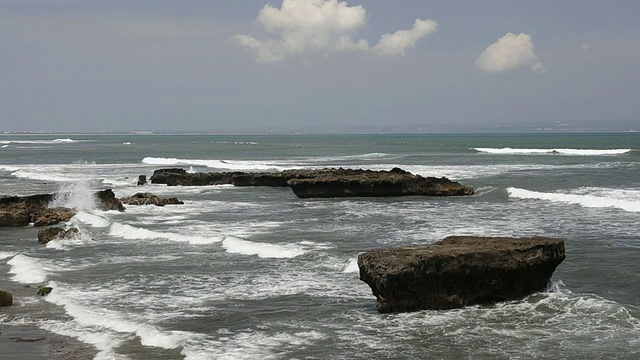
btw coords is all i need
(398, 42)
(508, 53)
(305, 27)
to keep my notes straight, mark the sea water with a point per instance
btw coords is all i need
(256, 273)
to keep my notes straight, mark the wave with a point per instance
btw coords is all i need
(352, 266)
(90, 219)
(215, 164)
(135, 233)
(105, 328)
(236, 245)
(5, 254)
(627, 200)
(575, 152)
(26, 270)
(54, 141)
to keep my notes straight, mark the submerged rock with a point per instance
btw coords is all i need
(149, 199)
(6, 299)
(56, 233)
(45, 290)
(459, 271)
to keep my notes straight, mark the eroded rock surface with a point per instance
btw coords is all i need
(149, 199)
(459, 271)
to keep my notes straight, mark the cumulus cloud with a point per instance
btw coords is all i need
(302, 27)
(508, 53)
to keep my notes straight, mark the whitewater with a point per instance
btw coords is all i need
(256, 273)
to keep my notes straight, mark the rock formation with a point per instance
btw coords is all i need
(324, 182)
(149, 199)
(23, 210)
(106, 200)
(142, 180)
(56, 233)
(459, 271)
(397, 182)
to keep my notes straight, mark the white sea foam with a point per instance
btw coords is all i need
(352, 266)
(236, 245)
(596, 199)
(5, 254)
(54, 141)
(90, 219)
(136, 233)
(216, 164)
(105, 328)
(27, 270)
(249, 344)
(76, 195)
(576, 152)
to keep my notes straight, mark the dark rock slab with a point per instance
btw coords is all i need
(56, 233)
(459, 271)
(323, 183)
(149, 199)
(14, 218)
(364, 183)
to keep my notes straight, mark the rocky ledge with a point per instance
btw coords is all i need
(149, 199)
(459, 271)
(323, 183)
(23, 210)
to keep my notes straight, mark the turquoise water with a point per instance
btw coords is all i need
(258, 273)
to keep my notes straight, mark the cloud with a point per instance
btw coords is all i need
(307, 27)
(510, 52)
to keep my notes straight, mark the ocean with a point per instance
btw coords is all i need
(256, 273)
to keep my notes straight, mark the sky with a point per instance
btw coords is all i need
(319, 65)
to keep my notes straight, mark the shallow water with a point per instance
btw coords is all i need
(258, 273)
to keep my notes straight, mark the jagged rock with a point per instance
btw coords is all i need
(142, 180)
(459, 271)
(397, 182)
(106, 200)
(6, 299)
(52, 216)
(324, 182)
(45, 290)
(149, 199)
(18, 217)
(56, 233)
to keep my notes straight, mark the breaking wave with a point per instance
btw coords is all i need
(572, 152)
(26, 270)
(236, 245)
(135, 233)
(627, 200)
(214, 164)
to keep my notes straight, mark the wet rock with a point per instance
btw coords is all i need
(52, 216)
(106, 200)
(142, 180)
(56, 233)
(45, 290)
(459, 271)
(6, 299)
(149, 199)
(324, 182)
(365, 183)
(14, 218)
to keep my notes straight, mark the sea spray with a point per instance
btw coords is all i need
(75, 195)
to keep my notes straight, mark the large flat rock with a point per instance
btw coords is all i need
(460, 271)
(323, 183)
